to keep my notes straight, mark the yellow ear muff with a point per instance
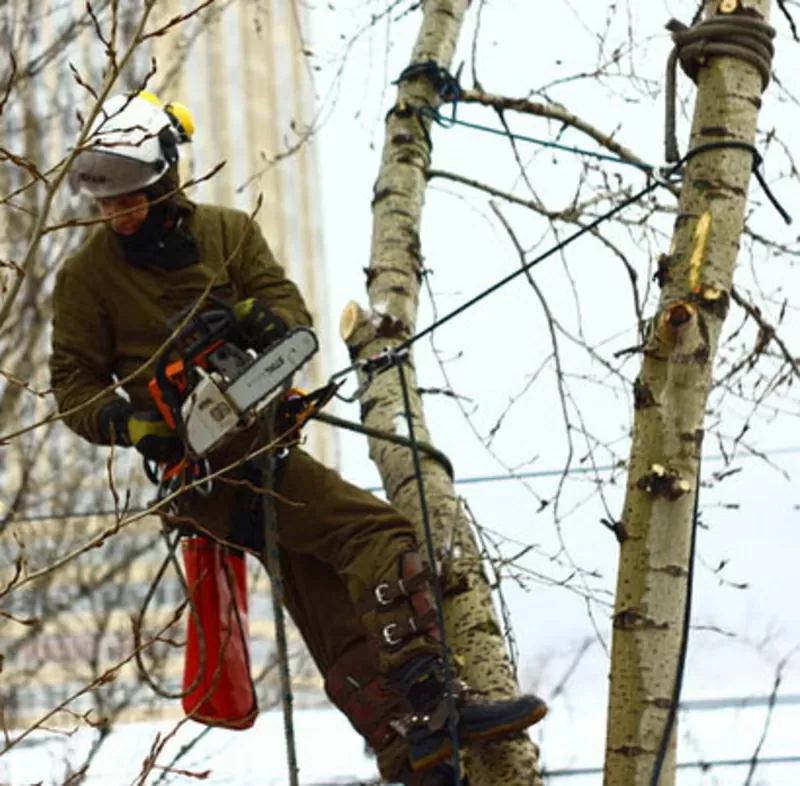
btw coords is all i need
(151, 97)
(183, 117)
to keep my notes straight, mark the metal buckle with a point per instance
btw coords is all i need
(205, 488)
(668, 175)
(371, 367)
(380, 596)
(386, 632)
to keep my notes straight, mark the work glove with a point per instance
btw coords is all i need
(144, 430)
(149, 433)
(259, 326)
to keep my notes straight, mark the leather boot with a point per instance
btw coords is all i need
(427, 729)
(411, 640)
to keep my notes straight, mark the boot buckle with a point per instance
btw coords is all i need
(389, 636)
(382, 594)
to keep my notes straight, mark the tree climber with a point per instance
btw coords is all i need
(355, 583)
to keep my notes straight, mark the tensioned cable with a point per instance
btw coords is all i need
(465, 481)
(437, 589)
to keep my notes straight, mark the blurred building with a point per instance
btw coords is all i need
(240, 68)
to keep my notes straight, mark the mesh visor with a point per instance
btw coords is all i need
(104, 174)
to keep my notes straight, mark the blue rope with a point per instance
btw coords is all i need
(449, 91)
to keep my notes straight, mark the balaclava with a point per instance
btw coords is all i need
(164, 239)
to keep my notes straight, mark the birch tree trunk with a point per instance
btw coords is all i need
(670, 397)
(393, 283)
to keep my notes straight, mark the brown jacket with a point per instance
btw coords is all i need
(110, 317)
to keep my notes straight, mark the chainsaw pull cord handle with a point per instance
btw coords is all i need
(168, 483)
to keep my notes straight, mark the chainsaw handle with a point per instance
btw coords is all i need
(204, 327)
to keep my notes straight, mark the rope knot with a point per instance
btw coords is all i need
(741, 36)
(744, 37)
(446, 85)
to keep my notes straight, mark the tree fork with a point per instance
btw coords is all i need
(670, 397)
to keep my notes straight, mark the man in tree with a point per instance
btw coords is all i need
(355, 582)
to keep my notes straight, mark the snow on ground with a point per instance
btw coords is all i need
(329, 752)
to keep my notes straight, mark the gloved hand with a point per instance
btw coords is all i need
(149, 433)
(144, 430)
(259, 326)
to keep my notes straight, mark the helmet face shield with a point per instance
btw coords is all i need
(103, 174)
(130, 146)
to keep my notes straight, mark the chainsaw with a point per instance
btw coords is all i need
(218, 385)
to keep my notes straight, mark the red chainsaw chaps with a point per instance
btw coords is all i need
(218, 689)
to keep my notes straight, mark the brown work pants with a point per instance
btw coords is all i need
(337, 542)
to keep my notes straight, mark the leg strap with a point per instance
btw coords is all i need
(387, 593)
(402, 606)
(395, 633)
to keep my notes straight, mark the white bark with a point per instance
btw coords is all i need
(671, 393)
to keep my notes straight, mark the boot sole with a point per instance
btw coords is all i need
(529, 720)
(445, 751)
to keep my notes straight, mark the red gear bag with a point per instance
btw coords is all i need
(218, 688)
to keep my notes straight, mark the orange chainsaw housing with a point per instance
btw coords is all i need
(176, 375)
(217, 685)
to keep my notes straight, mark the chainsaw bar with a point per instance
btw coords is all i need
(271, 373)
(230, 395)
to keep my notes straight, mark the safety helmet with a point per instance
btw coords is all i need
(131, 145)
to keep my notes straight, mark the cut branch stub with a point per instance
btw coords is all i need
(358, 327)
(663, 482)
(680, 336)
(713, 301)
(632, 619)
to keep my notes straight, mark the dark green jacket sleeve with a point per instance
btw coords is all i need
(260, 276)
(80, 362)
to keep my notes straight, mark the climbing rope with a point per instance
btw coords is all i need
(138, 623)
(281, 644)
(387, 436)
(452, 717)
(741, 37)
(273, 565)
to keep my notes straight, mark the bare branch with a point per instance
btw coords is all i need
(789, 18)
(176, 20)
(554, 112)
(9, 83)
(767, 332)
(107, 676)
